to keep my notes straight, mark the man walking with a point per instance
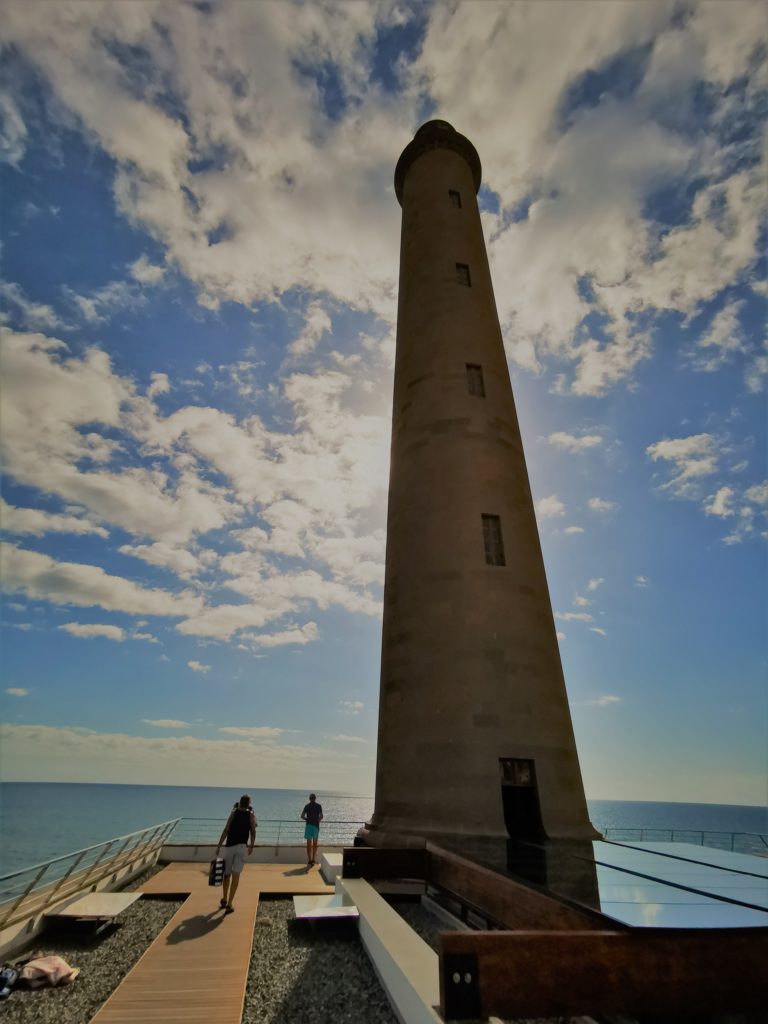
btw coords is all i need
(241, 825)
(312, 815)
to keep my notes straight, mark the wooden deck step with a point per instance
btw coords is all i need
(197, 968)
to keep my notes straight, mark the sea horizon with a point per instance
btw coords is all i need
(81, 814)
(354, 795)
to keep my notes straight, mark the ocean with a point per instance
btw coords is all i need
(41, 820)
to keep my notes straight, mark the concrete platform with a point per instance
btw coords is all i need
(97, 906)
(331, 865)
(316, 908)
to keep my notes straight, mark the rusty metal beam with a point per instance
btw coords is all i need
(644, 971)
(376, 864)
(500, 898)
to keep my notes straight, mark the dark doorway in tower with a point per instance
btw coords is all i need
(520, 798)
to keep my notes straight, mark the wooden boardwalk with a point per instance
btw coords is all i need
(196, 969)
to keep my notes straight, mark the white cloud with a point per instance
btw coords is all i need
(341, 738)
(756, 372)
(719, 504)
(602, 505)
(17, 691)
(13, 131)
(88, 630)
(581, 602)
(744, 526)
(574, 616)
(34, 315)
(166, 723)
(160, 385)
(179, 560)
(642, 581)
(724, 338)
(595, 583)
(197, 666)
(320, 192)
(560, 636)
(260, 732)
(99, 305)
(37, 522)
(48, 401)
(317, 322)
(605, 700)
(148, 637)
(550, 508)
(574, 444)
(298, 635)
(691, 459)
(596, 629)
(309, 483)
(39, 752)
(43, 578)
(573, 529)
(145, 272)
(758, 494)
(351, 707)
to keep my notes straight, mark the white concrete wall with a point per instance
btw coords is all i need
(407, 967)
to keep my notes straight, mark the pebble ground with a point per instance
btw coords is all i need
(304, 973)
(104, 960)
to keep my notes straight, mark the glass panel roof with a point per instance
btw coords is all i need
(658, 885)
(719, 882)
(706, 855)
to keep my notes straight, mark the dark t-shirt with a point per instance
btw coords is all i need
(313, 812)
(240, 827)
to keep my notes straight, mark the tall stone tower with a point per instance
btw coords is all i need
(475, 734)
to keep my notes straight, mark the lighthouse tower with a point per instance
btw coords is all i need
(475, 734)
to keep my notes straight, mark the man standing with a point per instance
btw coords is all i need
(241, 825)
(312, 815)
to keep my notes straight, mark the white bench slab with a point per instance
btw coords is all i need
(97, 906)
(323, 906)
(407, 967)
(331, 866)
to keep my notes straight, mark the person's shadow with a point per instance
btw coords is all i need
(195, 927)
(297, 871)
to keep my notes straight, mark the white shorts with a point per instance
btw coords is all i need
(234, 859)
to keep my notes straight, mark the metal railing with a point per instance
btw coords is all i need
(270, 832)
(739, 842)
(33, 889)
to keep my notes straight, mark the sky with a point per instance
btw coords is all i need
(199, 263)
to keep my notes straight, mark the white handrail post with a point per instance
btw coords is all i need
(63, 878)
(26, 893)
(98, 860)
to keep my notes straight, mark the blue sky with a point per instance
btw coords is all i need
(199, 284)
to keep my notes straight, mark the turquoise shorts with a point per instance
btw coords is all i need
(311, 831)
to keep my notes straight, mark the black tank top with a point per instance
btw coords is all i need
(240, 828)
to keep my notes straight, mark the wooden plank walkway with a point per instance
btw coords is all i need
(196, 969)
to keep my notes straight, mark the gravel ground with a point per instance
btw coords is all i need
(313, 974)
(104, 960)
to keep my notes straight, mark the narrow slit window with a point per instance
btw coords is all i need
(462, 274)
(455, 198)
(475, 383)
(494, 547)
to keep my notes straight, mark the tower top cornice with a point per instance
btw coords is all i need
(436, 135)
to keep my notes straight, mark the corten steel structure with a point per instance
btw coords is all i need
(475, 734)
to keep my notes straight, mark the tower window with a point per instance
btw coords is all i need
(494, 548)
(475, 384)
(455, 198)
(462, 274)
